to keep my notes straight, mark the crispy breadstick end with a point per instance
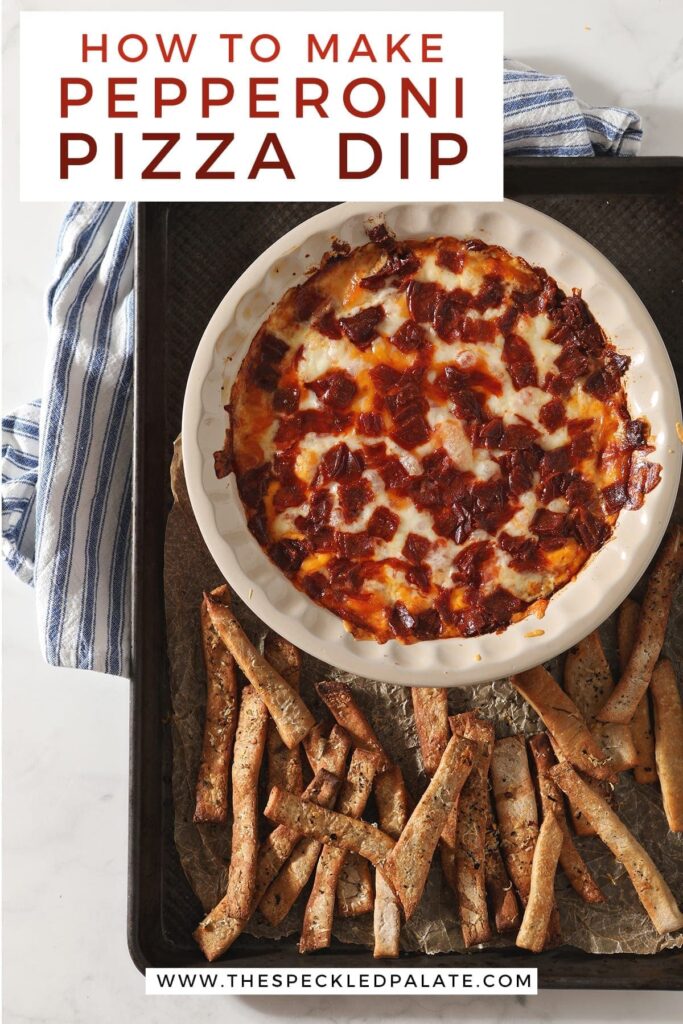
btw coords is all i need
(217, 932)
(318, 916)
(563, 719)
(329, 827)
(623, 701)
(470, 841)
(652, 890)
(539, 908)
(220, 721)
(642, 732)
(430, 706)
(515, 800)
(498, 884)
(573, 864)
(250, 742)
(386, 921)
(287, 887)
(393, 809)
(407, 867)
(339, 699)
(588, 681)
(287, 709)
(284, 765)
(355, 890)
(666, 698)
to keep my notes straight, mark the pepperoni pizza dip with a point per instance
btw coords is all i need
(430, 437)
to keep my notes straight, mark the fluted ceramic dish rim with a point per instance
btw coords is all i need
(572, 612)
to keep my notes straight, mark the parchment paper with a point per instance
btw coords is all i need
(618, 926)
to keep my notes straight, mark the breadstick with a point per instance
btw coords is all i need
(645, 770)
(470, 845)
(430, 706)
(250, 741)
(407, 867)
(288, 711)
(563, 719)
(355, 890)
(534, 928)
(653, 892)
(515, 801)
(623, 701)
(284, 765)
(666, 699)
(220, 721)
(573, 864)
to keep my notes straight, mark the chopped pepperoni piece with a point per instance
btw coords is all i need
(385, 377)
(572, 362)
(253, 484)
(601, 383)
(580, 492)
(451, 259)
(549, 524)
(286, 399)
(288, 554)
(475, 245)
(370, 424)
(329, 326)
(518, 435)
(354, 545)
(422, 299)
(336, 388)
(636, 433)
(419, 576)
(590, 531)
(468, 564)
(591, 339)
(490, 434)
(354, 497)
(615, 496)
(306, 300)
(519, 359)
(398, 265)
(360, 328)
(401, 621)
(258, 526)
(339, 463)
(383, 523)
(525, 554)
(500, 606)
(409, 337)
(555, 461)
(315, 585)
(552, 415)
(289, 495)
(474, 329)
(554, 487)
(415, 548)
(393, 473)
(271, 352)
(449, 315)
(643, 477)
(412, 432)
(427, 624)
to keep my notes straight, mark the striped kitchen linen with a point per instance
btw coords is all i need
(67, 476)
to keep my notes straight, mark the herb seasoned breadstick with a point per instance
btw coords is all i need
(288, 711)
(355, 890)
(220, 721)
(645, 770)
(285, 889)
(218, 930)
(534, 929)
(623, 701)
(317, 926)
(653, 892)
(329, 826)
(284, 765)
(430, 706)
(392, 804)
(573, 864)
(515, 800)
(250, 740)
(498, 884)
(407, 867)
(563, 719)
(339, 699)
(588, 681)
(666, 698)
(470, 844)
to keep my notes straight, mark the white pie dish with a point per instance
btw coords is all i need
(572, 612)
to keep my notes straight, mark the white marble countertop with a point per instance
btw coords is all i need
(66, 733)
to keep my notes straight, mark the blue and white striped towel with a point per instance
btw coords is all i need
(67, 461)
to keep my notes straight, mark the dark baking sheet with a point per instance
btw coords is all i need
(188, 256)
